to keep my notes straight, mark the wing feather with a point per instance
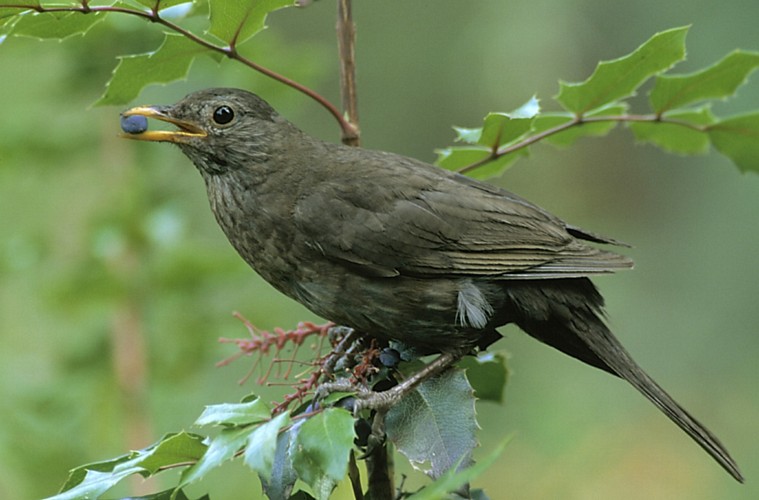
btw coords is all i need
(437, 223)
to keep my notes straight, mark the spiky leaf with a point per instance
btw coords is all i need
(436, 423)
(687, 137)
(171, 61)
(56, 25)
(321, 450)
(244, 413)
(235, 22)
(718, 81)
(261, 447)
(619, 78)
(487, 374)
(738, 139)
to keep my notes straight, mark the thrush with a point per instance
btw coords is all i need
(399, 249)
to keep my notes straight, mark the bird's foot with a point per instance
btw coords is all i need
(366, 399)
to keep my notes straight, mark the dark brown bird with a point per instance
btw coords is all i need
(397, 248)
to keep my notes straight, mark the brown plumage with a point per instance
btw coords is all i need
(399, 249)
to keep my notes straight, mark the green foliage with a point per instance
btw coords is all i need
(487, 374)
(92, 480)
(283, 475)
(618, 79)
(222, 448)
(499, 130)
(316, 450)
(261, 449)
(236, 22)
(718, 81)
(57, 25)
(547, 122)
(595, 106)
(674, 137)
(321, 449)
(235, 414)
(455, 478)
(160, 5)
(232, 22)
(738, 139)
(436, 423)
(171, 61)
(591, 108)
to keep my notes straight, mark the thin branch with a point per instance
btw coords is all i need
(348, 130)
(346, 42)
(579, 120)
(380, 470)
(355, 477)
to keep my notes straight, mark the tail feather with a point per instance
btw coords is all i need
(608, 348)
(567, 316)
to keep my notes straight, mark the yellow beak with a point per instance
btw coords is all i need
(187, 130)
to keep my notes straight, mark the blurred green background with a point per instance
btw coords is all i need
(115, 281)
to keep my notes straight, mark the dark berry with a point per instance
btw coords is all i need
(363, 430)
(390, 357)
(134, 124)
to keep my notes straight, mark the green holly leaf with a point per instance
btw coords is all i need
(456, 158)
(170, 494)
(94, 479)
(619, 78)
(503, 128)
(718, 81)
(83, 480)
(436, 423)
(235, 413)
(173, 449)
(498, 130)
(321, 449)
(235, 22)
(570, 135)
(170, 62)
(261, 447)
(55, 25)
(487, 374)
(738, 139)
(164, 4)
(20, 3)
(222, 448)
(96, 483)
(7, 12)
(468, 135)
(283, 475)
(456, 478)
(688, 138)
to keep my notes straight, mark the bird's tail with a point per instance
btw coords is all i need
(566, 314)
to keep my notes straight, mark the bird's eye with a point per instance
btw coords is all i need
(223, 115)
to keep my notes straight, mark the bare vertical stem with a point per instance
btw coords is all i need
(355, 477)
(379, 466)
(346, 42)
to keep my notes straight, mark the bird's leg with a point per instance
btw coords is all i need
(381, 402)
(376, 438)
(345, 346)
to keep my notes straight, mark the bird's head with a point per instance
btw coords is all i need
(218, 129)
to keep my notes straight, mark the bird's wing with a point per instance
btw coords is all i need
(438, 224)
